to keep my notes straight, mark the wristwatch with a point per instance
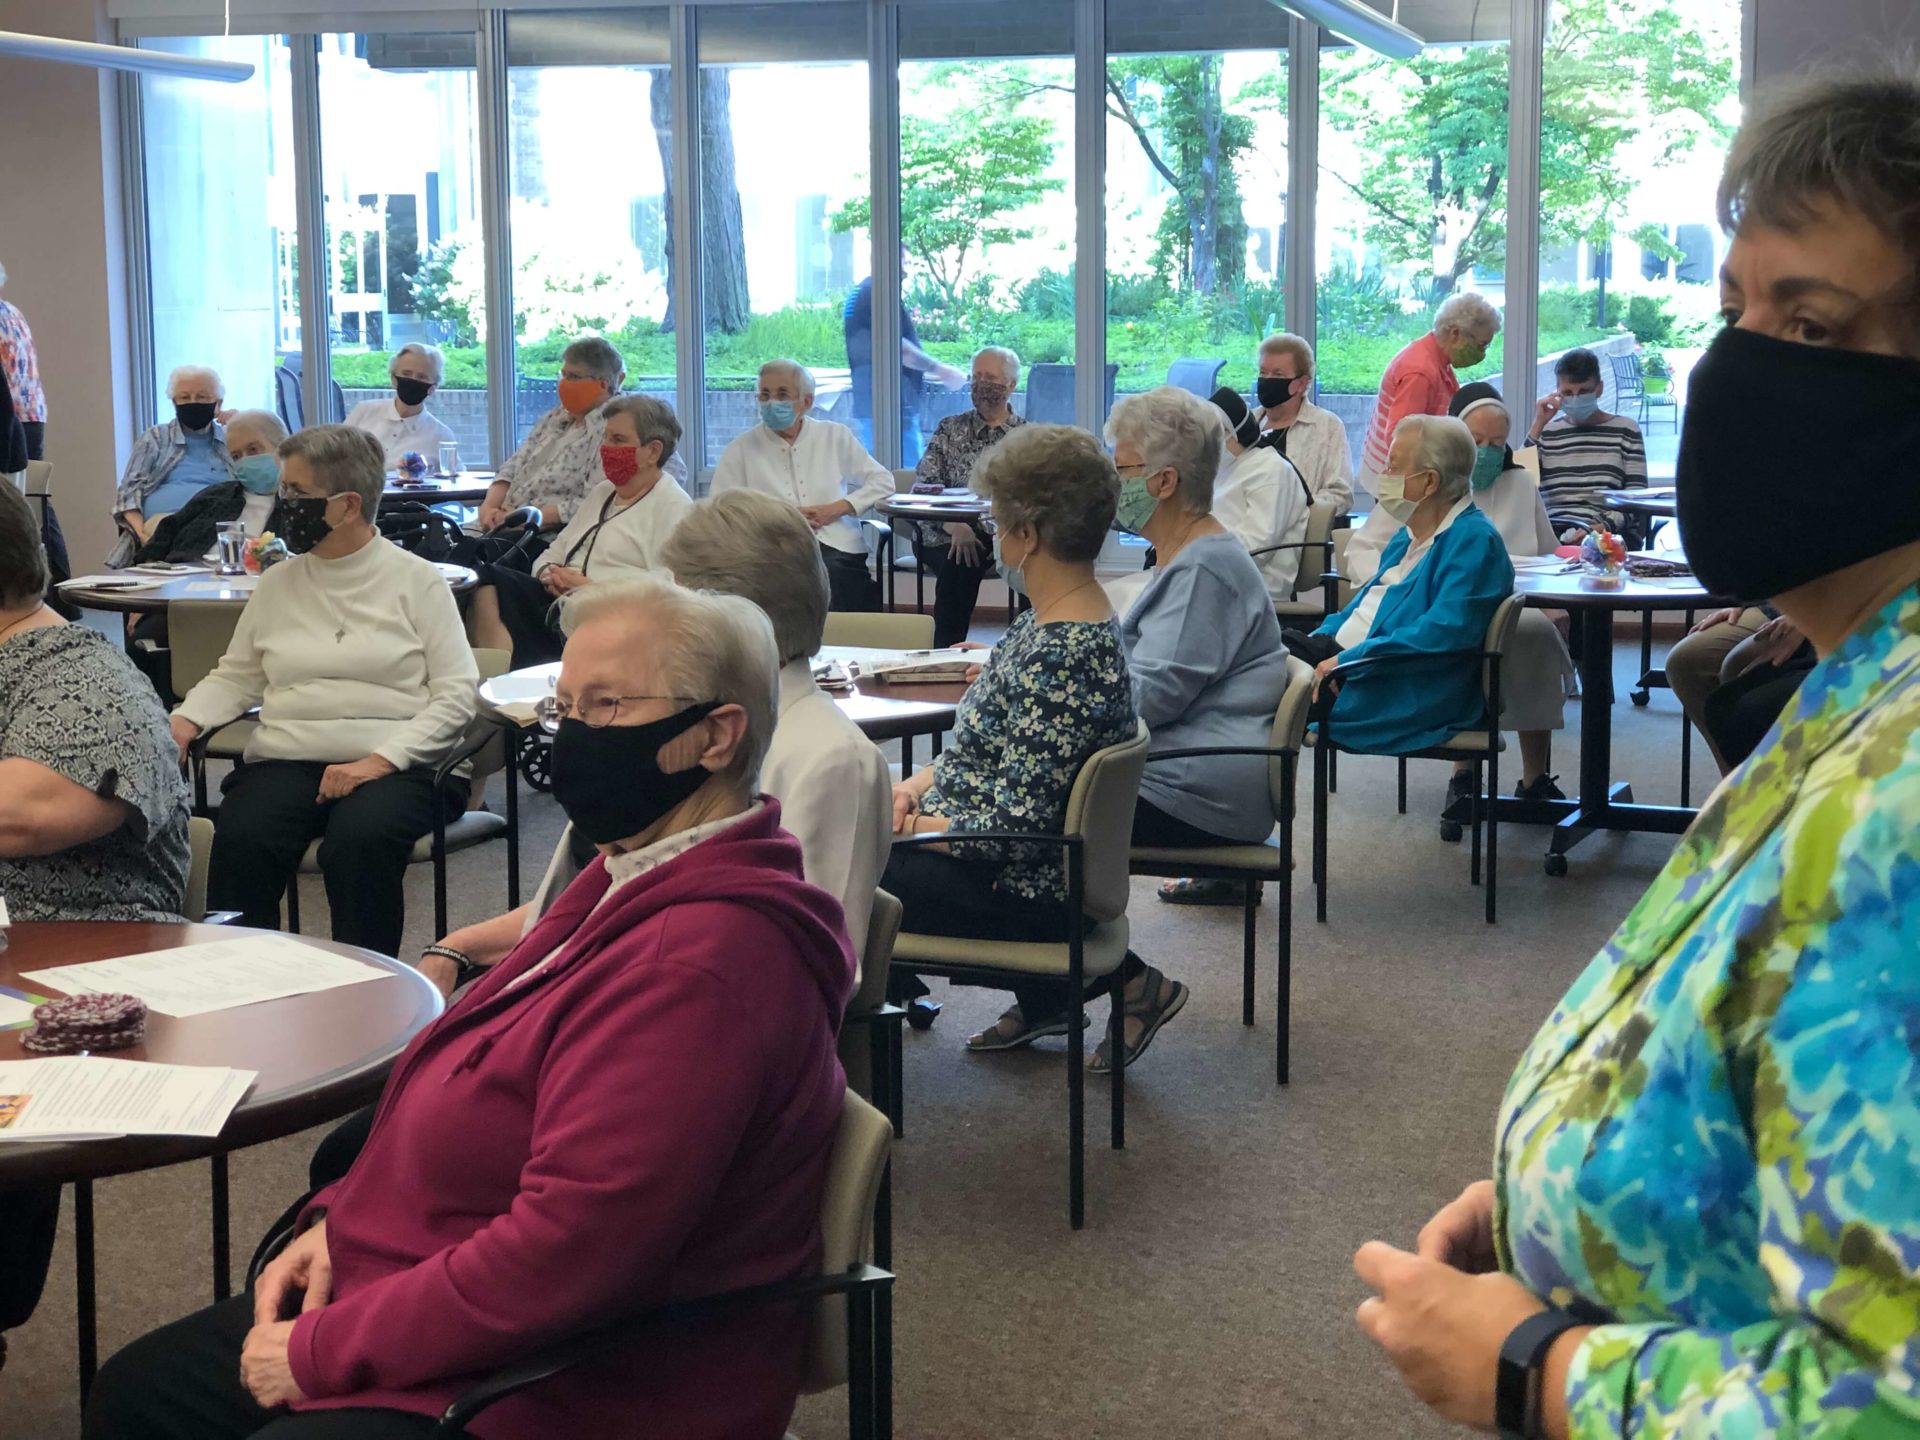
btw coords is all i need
(1517, 1385)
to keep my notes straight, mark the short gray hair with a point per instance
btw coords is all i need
(1287, 343)
(1466, 311)
(1445, 446)
(345, 461)
(263, 423)
(598, 358)
(1850, 138)
(1055, 480)
(792, 368)
(705, 646)
(748, 544)
(1174, 427)
(1009, 362)
(652, 420)
(23, 559)
(196, 372)
(436, 361)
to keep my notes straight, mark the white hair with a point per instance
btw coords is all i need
(703, 646)
(1466, 311)
(196, 372)
(1445, 446)
(1009, 362)
(436, 361)
(1175, 427)
(793, 370)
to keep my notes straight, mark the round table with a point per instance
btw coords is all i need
(949, 507)
(319, 1057)
(1602, 803)
(1659, 502)
(469, 487)
(205, 585)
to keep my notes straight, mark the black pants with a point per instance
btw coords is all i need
(528, 612)
(36, 433)
(956, 588)
(269, 814)
(849, 582)
(28, 1218)
(182, 1382)
(1741, 712)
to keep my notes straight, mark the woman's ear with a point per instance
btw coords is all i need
(726, 732)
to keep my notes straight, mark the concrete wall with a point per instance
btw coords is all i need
(62, 242)
(1791, 36)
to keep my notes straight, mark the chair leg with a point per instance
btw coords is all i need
(860, 1375)
(513, 824)
(1321, 779)
(1251, 900)
(222, 1232)
(1493, 824)
(1474, 865)
(1076, 1111)
(1333, 772)
(883, 1362)
(883, 1220)
(897, 1061)
(1403, 784)
(1116, 1036)
(1283, 959)
(293, 904)
(439, 881)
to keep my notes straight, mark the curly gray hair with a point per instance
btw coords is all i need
(1056, 481)
(1174, 428)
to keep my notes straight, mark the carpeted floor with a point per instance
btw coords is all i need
(1210, 1293)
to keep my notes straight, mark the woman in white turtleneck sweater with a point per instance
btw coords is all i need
(354, 652)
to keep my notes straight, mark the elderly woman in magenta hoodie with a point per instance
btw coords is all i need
(639, 1102)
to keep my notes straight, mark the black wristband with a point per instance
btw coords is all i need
(1516, 1387)
(464, 968)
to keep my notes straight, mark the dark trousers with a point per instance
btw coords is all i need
(270, 813)
(956, 588)
(28, 1218)
(527, 610)
(36, 433)
(1741, 712)
(182, 1382)
(849, 582)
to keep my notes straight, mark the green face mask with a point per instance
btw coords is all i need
(1469, 354)
(1136, 505)
(1488, 463)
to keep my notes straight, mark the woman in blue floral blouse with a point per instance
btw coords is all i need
(1055, 690)
(1704, 1219)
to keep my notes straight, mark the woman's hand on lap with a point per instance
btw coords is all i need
(1461, 1233)
(339, 781)
(184, 731)
(906, 805)
(264, 1367)
(303, 1267)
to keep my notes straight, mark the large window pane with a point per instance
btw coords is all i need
(1641, 99)
(590, 224)
(1412, 197)
(221, 230)
(399, 141)
(986, 203)
(784, 149)
(1196, 193)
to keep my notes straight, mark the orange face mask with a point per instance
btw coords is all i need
(580, 396)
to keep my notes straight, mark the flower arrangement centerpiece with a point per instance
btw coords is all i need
(1604, 556)
(264, 553)
(413, 465)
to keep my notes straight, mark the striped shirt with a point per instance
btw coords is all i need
(1419, 381)
(1578, 462)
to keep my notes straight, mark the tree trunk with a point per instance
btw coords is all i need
(723, 247)
(1206, 224)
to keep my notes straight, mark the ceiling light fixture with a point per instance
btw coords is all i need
(1360, 23)
(122, 57)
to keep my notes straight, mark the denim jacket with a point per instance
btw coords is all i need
(154, 456)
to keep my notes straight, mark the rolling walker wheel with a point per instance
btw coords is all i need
(1641, 697)
(536, 762)
(1556, 863)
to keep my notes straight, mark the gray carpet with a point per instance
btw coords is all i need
(1211, 1291)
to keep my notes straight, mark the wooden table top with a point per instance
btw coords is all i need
(469, 487)
(883, 712)
(320, 1056)
(205, 585)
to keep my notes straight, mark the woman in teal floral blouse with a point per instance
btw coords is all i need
(1704, 1219)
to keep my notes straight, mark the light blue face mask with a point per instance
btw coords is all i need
(1579, 408)
(777, 414)
(259, 473)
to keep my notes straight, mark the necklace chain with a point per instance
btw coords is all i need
(1039, 615)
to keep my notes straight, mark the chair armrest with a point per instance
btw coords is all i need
(197, 747)
(1368, 662)
(1326, 545)
(1071, 843)
(471, 744)
(882, 1014)
(1196, 752)
(558, 1359)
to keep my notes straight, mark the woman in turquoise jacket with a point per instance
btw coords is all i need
(1440, 581)
(1704, 1216)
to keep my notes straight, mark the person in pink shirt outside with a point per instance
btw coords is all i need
(1421, 379)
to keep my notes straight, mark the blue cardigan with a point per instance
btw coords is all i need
(1445, 604)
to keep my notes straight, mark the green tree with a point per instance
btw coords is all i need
(965, 180)
(1433, 177)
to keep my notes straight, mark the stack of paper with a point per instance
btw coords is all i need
(85, 1097)
(114, 582)
(220, 975)
(928, 667)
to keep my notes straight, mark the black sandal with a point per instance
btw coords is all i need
(1160, 1000)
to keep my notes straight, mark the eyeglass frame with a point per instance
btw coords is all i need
(547, 709)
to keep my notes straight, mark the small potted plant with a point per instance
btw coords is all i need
(264, 553)
(1603, 555)
(1657, 373)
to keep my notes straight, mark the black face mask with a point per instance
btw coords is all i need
(1272, 391)
(195, 414)
(411, 392)
(303, 523)
(609, 780)
(1736, 489)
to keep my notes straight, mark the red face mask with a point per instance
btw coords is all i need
(620, 462)
(580, 396)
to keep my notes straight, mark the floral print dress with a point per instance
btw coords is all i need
(1714, 1141)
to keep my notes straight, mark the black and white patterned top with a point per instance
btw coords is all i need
(71, 701)
(1050, 696)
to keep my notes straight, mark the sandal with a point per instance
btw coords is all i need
(1012, 1032)
(1160, 1000)
(1208, 892)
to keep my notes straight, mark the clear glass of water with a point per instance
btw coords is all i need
(233, 548)
(449, 457)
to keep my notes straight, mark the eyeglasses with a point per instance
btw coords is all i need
(595, 714)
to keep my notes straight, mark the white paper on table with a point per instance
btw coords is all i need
(219, 975)
(15, 1012)
(170, 569)
(87, 1096)
(229, 582)
(120, 581)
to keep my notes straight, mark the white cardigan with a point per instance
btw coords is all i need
(825, 464)
(607, 540)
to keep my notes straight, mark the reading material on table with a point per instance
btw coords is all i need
(122, 581)
(928, 667)
(218, 975)
(82, 1097)
(222, 585)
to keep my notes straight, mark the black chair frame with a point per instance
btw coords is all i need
(1329, 577)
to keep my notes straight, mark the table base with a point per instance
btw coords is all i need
(1574, 820)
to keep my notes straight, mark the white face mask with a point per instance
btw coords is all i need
(1391, 491)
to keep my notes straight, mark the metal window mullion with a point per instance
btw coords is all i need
(496, 186)
(1089, 191)
(1303, 177)
(1519, 323)
(689, 331)
(883, 107)
(139, 255)
(310, 218)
